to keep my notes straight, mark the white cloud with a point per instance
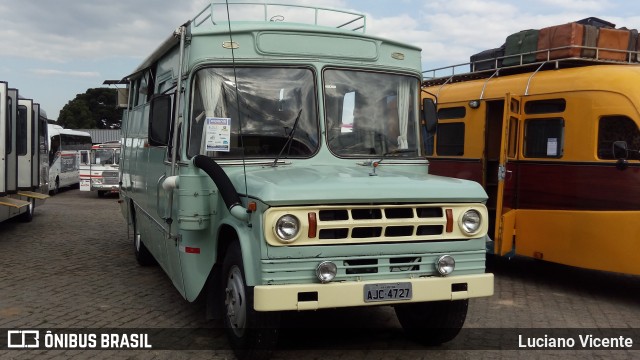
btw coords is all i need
(63, 73)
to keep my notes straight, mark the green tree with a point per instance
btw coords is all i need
(95, 109)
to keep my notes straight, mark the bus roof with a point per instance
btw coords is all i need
(250, 17)
(615, 78)
(57, 129)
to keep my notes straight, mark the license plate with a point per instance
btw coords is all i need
(387, 292)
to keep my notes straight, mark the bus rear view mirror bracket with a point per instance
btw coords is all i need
(620, 150)
(160, 120)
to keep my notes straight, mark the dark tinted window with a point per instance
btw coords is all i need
(450, 140)
(544, 138)
(545, 106)
(21, 131)
(617, 128)
(452, 113)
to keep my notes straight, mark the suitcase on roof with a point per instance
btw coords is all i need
(599, 23)
(616, 40)
(523, 42)
(566, 41)
(487, 60)
(633, 46)
(589, 41)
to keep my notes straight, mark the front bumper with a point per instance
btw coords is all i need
(351, 293)
(103, 187)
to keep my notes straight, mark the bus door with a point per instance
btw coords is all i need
(85, 170)
(505, 220)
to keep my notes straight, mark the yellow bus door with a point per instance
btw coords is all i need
(505, 206)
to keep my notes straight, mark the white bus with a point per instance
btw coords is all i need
(23, 144)
(64, 156)
(99, 168)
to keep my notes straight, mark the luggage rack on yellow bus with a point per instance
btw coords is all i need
(453, 73)
(216, 12)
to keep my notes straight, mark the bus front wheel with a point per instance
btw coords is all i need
(432, 323)
(252, 334)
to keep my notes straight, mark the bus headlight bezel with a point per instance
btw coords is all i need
(470, 222)
(287, 228)
(445, 265)
(326, 271)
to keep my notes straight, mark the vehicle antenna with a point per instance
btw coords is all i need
(235, 82)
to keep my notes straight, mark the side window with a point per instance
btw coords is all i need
(21, 131)
(545, 106)
(450, 139)
(450, 135)
(9, 137)
(457, 112)
(617, 128)
(544, 138)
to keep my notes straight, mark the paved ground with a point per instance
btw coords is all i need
(72, 268)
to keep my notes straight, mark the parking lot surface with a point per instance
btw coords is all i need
(73, 268)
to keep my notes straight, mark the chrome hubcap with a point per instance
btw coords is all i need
(235, 301)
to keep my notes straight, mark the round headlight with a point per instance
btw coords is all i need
(326, 271)
(445, 265)
(287, 227)
(471, 221)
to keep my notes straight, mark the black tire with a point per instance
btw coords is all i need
(27, 216)
(432, 323)
(142, 254)
(101, 193)
(252, 334)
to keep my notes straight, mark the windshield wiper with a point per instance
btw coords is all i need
(375, 164)
(289, 138)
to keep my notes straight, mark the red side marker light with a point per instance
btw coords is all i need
(449, 213)
(313, 225)
(252, 206)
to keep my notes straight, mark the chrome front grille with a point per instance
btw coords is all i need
(360, 224)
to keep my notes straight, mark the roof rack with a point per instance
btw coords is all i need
(216, 12)
(493, 66)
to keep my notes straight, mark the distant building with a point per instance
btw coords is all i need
(99, 136)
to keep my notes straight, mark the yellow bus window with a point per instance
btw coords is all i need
(450, 139)
(544, 138)
(617, 128)
(545, 106)
(457, 112)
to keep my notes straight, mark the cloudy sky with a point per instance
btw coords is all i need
(54, 49)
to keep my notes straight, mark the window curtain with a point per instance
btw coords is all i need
(404, 97)
(211, 90)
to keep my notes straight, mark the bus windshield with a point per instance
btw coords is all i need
(371, 113)
(271, 101)
(105, 156)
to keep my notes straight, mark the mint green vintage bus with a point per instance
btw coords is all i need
(276, 164)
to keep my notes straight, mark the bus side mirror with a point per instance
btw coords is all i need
(429, 115)
(620, 150)
(160, 120)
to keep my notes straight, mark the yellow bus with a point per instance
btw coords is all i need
(556, 147)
